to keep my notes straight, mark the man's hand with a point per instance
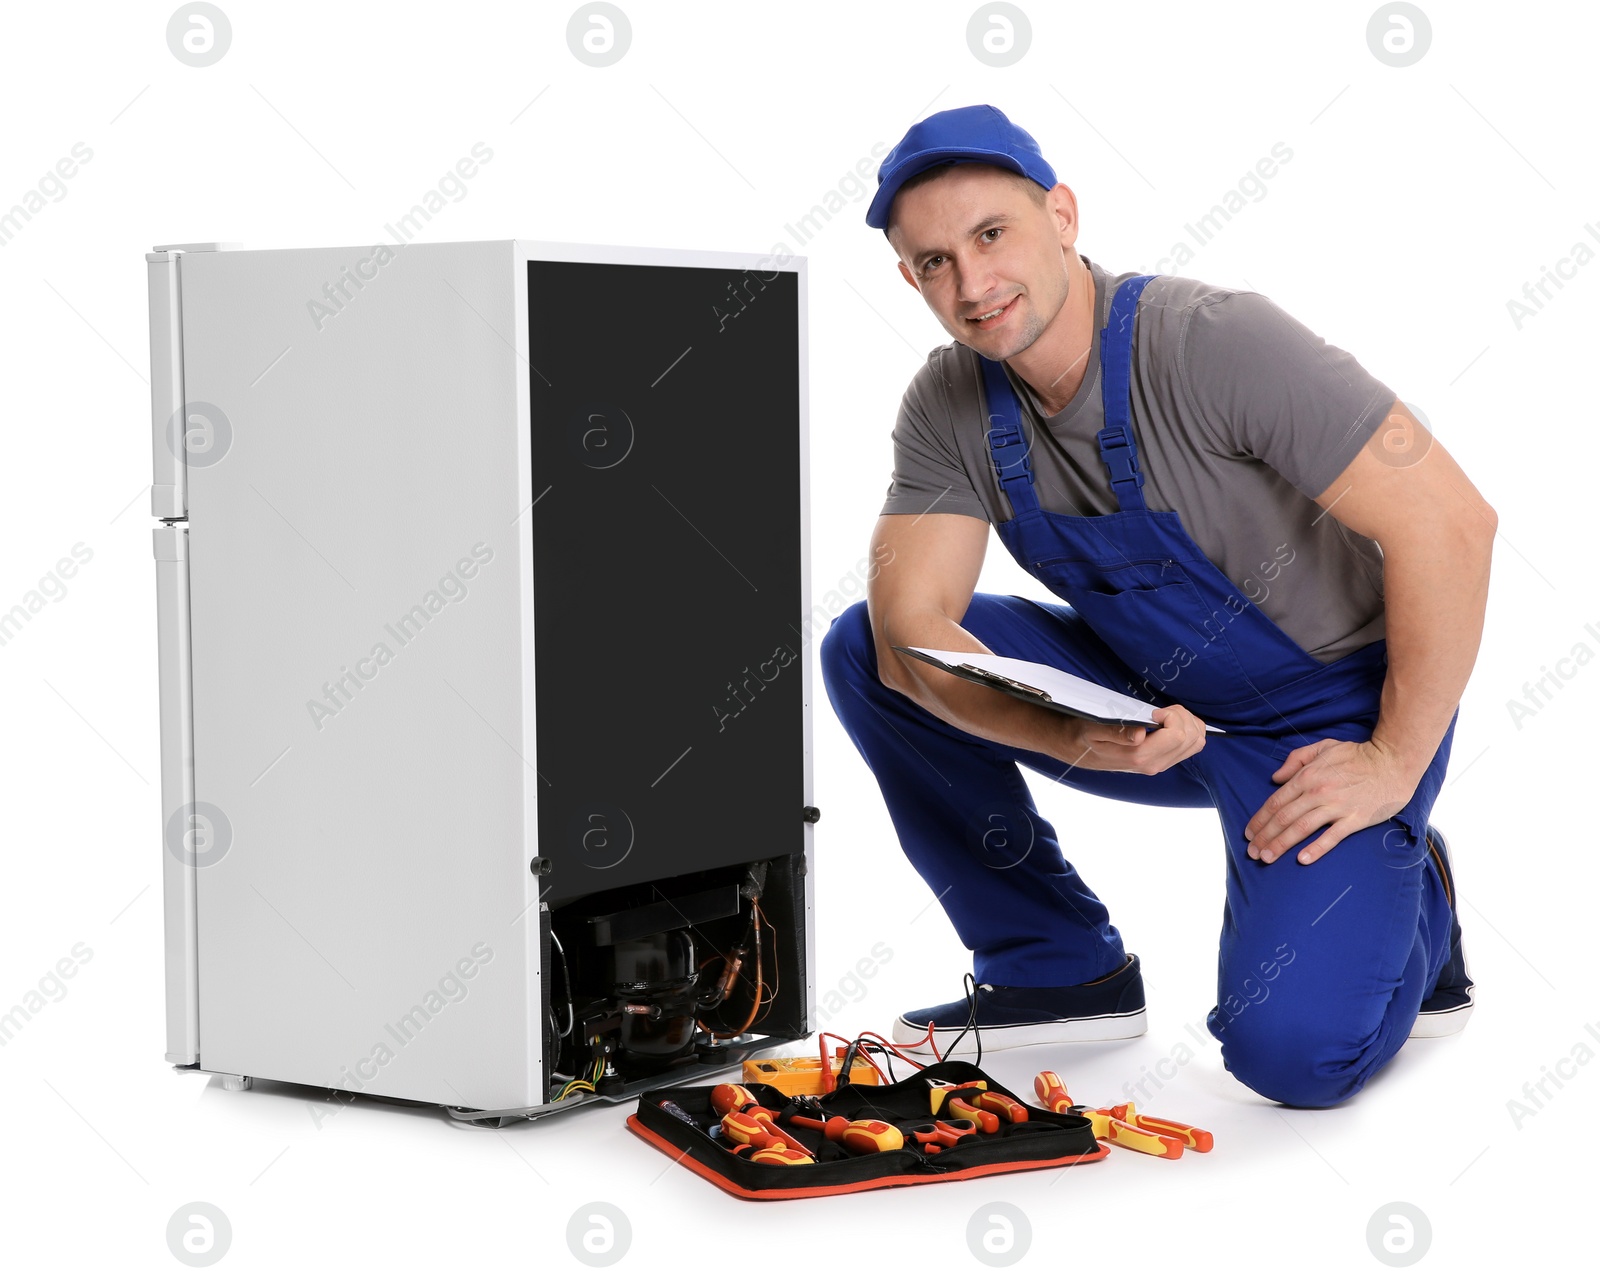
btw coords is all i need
(1344, 785)
(1404, 491)
(1131, 748)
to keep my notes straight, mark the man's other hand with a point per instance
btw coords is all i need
(1343, 785)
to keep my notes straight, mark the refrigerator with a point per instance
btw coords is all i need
(484, 631)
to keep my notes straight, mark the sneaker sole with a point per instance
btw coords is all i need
(1442, 1023)
(1446, 1023)
(1092, 1028)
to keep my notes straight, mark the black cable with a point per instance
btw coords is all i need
(849, 1062)
(969, 988)
(888, 1057)
(977, 1033)
(868, 1047)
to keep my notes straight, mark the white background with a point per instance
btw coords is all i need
(1419, 200)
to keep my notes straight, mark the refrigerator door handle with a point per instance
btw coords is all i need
(179, 814)
(169, 433)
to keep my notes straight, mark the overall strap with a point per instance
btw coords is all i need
(1008, 448)
(1117, 446)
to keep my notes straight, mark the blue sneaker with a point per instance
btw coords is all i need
(1447, 1009)
(1102, 1010)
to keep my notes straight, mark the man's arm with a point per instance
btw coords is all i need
(1437, 533)
(918, 598)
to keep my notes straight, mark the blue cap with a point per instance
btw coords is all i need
(968, 134)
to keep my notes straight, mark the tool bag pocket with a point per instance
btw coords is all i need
(1045, 1140)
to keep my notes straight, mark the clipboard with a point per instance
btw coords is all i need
(1043, 685)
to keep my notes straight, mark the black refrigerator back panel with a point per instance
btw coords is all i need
(667, 558)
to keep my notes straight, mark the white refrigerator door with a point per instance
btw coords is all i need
(360, 609)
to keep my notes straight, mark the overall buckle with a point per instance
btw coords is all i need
(1001, 437)
(1120, 458)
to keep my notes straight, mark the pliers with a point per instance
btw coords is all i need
(1123, 1124)
(936, 1135)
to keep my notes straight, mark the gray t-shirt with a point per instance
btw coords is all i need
(1242, 417)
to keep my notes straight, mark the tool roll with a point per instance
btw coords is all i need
(684, 1122)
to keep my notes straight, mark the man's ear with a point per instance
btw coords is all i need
(906, 274)
(1063, 206)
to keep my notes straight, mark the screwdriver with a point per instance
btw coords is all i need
(772, 1154)
(778, 1154)
(764, 1137)
(860, 1137)
(728, 1098)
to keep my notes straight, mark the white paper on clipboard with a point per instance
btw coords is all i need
(1061, 687)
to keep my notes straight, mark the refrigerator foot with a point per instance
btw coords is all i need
(236, 1083)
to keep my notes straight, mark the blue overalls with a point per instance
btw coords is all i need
(1321, 968)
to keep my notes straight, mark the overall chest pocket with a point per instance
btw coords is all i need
(1174, 641)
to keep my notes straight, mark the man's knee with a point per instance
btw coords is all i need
(1304, 1062)
(847, 651)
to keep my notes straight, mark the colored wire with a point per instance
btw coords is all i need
(566, 975)
(827, 1068)
(589, 1083)
(757, 917)
(889, 1047)
(895, 1047)
(755, 1002)
(882, 1041)
(775, 959)
(864, 1050)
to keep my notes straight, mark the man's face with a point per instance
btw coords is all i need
(972, 242)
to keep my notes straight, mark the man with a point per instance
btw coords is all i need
(1250, 531)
